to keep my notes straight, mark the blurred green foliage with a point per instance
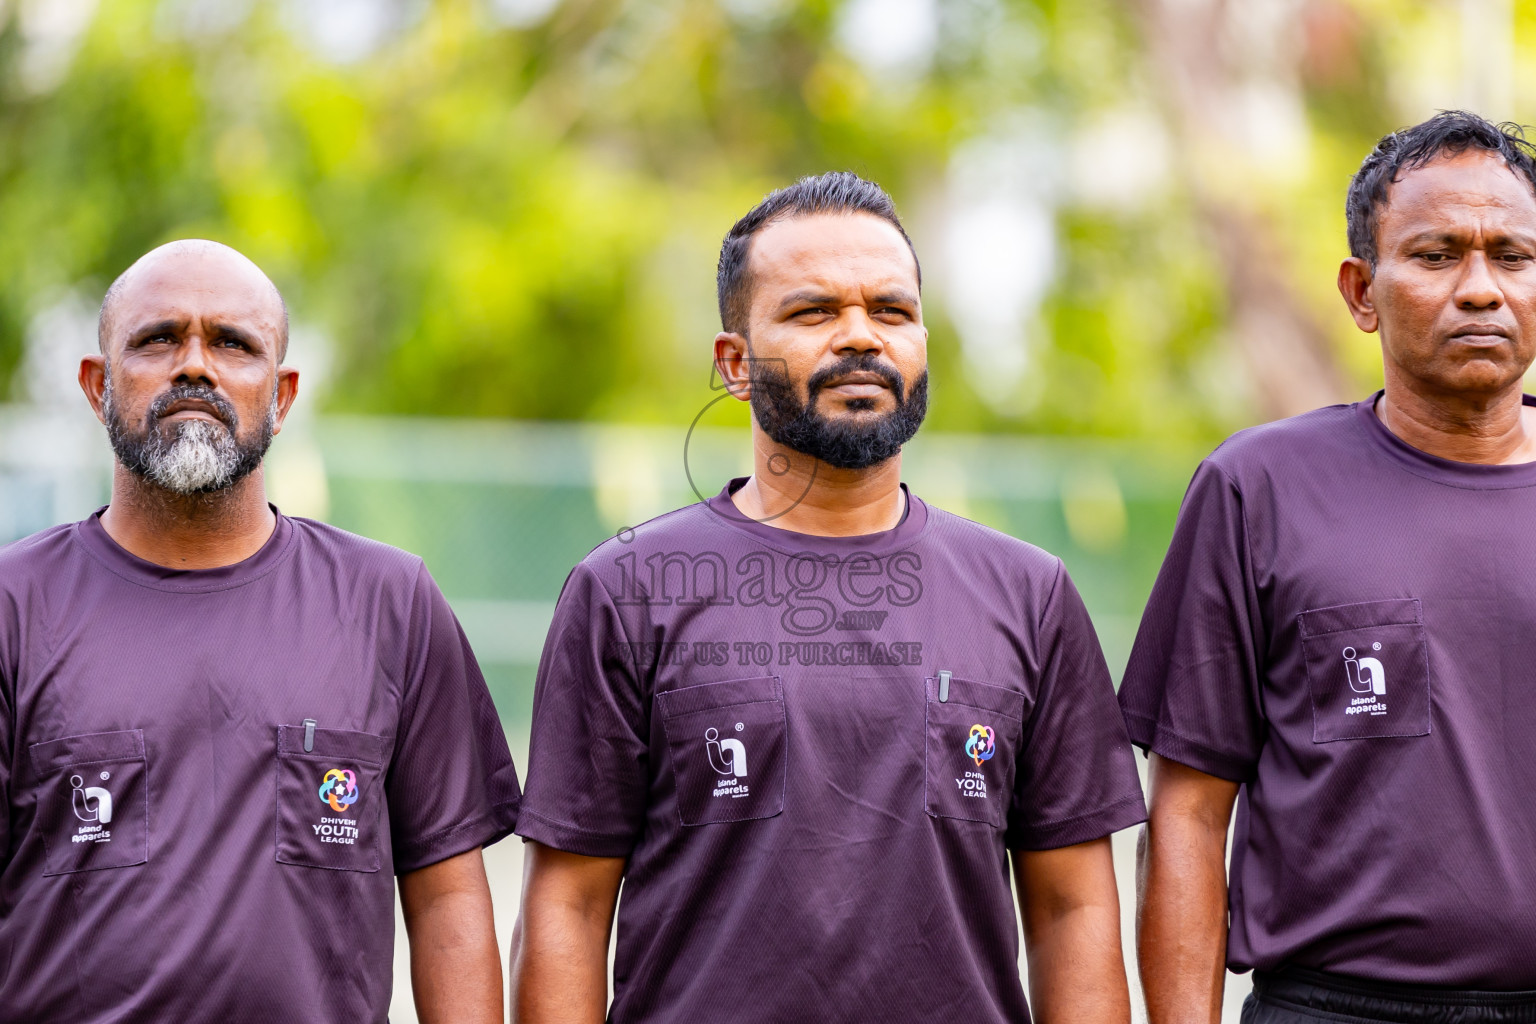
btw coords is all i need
(496, 210)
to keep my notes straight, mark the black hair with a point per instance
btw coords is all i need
(833, 192)
(1449, 132)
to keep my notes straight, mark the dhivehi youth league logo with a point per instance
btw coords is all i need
(981, 745)
(339, 789)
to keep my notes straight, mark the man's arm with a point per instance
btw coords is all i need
(1181, 914)
(455, 965)
(560, 943)
(1071, 917)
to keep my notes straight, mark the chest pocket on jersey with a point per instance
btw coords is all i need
(1367, 670)
(92, 801)
(972, 749)
(729, 746)
(329, 798)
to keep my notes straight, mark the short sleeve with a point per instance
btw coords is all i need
(8, 676)
(589, 753)
(1077, 777)
(1191, 688)
(452, 785)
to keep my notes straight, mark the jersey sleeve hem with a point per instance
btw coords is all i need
(1081, 829)
(1154, 737)
(560, 836)
(481, 831)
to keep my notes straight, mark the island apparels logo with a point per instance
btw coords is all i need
(728, 758)
(338, 790)
(96, 817)
(1366, 675)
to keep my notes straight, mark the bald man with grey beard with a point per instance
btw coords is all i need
(226, 727)
(200, 456)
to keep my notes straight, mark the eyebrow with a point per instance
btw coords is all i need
(810, 297)
(1457, 238)
(158, 327)
(807, 297)
(173, 325)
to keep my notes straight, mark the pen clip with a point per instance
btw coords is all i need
(944, 686)
(309, 735)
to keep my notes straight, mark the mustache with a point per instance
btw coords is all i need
(223, 409)
(863, 363)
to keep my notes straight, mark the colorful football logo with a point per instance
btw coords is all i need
(339, 789)
(980, 746)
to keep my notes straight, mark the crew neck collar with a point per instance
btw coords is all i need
(900, 536)
(134, 569)
(1477, 475)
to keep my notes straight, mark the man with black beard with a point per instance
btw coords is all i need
(226, 730)
(808, 722)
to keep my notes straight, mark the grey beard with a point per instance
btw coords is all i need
(202, 457)
(199, 457)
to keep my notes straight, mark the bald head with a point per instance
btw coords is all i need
(192, 272)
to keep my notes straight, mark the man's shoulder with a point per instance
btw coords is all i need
(971, 537)
(354, 555)
(1294, 442)
(36, 557)
(693, 529)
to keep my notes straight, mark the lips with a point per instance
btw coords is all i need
(854, 379)
(1482, 333)
(190, 405)
(863, 377)
(857, 385)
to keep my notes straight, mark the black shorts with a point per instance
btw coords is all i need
(1296, 996)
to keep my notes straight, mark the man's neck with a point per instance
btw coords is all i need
(188, 531)
(1495, 429)
(795, 492)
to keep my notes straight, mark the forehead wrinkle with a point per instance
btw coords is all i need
(1424, 219)
(1456, 222)
(205, 252)
(217, 314)
(1461, 234)
(255, 322)
(1477, 181)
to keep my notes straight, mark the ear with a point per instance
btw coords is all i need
(93, 381)
(287, 391)
(1355, 281)
(733, 364)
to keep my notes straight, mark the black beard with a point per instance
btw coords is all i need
(147, 453)
(844, 443)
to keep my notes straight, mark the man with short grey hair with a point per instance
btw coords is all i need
(225, 728)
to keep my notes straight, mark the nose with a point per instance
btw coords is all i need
(1478, 288)
(196, 365)
(858, 335)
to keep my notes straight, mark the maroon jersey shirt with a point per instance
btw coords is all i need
(816, 753)
(208, 780)
(1344, 624)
